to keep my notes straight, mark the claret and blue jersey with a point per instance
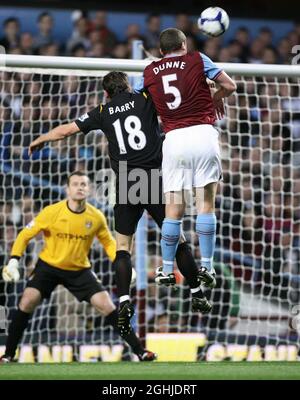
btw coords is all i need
(179, 90)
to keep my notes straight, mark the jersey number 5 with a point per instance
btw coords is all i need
(136, 137)
(170, 89)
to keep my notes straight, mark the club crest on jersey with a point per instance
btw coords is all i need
(88, 224)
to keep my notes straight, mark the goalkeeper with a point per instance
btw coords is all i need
(69, 228)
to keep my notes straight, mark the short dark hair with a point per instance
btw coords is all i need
(151, 16)
(265, 29)
(42, 15)
(76, 173)
(242, 29)
(171, 39)
(10, 20)
(116, 82)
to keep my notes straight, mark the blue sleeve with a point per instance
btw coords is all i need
(210, 68)
(138, 85)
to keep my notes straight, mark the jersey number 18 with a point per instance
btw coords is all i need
(136, 137)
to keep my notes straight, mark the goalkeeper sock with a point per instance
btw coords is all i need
(130, 338)
(123, 270)
(170, 234)
(15, 332)
(206, 225)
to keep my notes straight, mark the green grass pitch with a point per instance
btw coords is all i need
(155, 371)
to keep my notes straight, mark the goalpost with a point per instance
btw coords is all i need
(256, 301)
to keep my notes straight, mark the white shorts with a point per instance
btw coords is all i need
(191, 158)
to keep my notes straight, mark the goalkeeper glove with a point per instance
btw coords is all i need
(10, 272)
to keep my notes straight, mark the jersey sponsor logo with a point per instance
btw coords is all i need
(125, 107)
(168, 65)
(71, 236)
(88, 224)
(30, 224)
(83, 117)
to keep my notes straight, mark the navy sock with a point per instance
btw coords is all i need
(15, 332)
(123, 271)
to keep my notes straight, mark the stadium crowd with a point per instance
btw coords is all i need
(259, 199)
(91, 37)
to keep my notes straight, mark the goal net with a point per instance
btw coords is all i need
(257, 258)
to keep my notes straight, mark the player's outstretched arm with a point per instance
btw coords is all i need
(58, 133)
(10, 272)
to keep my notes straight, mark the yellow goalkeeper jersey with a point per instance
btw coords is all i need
(68, 236)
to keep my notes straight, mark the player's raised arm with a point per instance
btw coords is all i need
(10, 272)
(226, 86)
(58, 133)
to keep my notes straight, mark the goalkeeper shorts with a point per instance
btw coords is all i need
(82, 284)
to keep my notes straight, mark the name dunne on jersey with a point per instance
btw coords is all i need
(169, 64)
(125, 107)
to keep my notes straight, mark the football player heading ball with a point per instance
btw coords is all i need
(191, 157)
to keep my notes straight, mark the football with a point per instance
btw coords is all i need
(213, 21)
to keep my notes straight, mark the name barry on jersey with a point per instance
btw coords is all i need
(125, 107)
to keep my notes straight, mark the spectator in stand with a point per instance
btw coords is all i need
(153, 31)
(256, 51)
(45, 27)
(80, 35)
(266, 36)
(242, 36)
(236, 51)
(78, 50)
(98, 50)
(293, 38)
(11, 38)
(50, 49)
(94, 37)
(269, 56)
(132, 33)
(120, 51)
(224, 55)
(106, 36)
(211, 48)
(26, 43)
(184, 24)
(284, 51)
